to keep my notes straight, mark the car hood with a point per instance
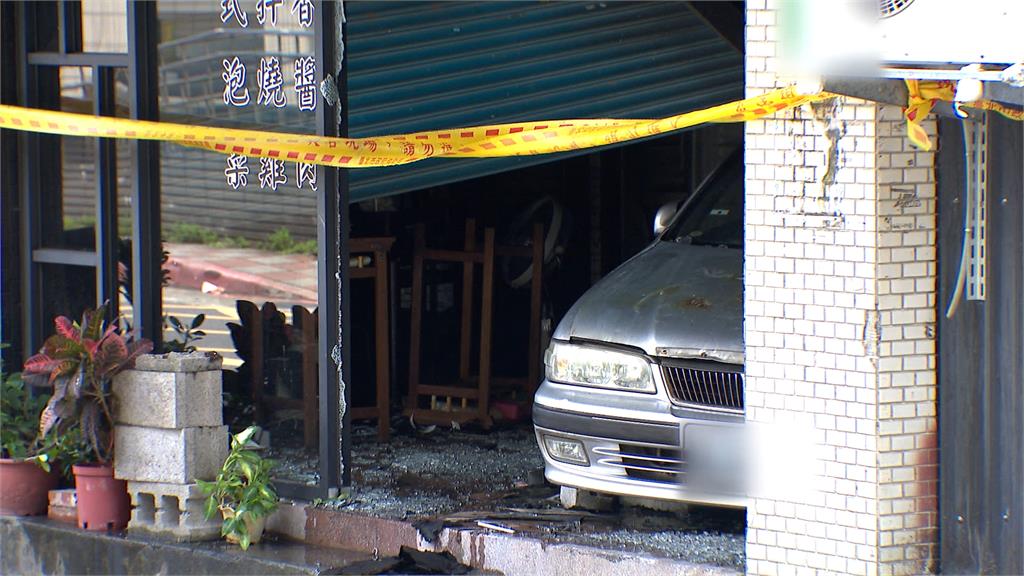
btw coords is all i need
(674, 300)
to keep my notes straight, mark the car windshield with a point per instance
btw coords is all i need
(715, 216)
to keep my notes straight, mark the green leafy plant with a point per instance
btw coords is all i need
(242, 491)
(19, 426)
(187, 334)
(80, 361)
(64, 450)
(189, 233)
(19, 416)
(281, 241)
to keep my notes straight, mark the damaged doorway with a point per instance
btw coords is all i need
(430, 66)
(463, 472)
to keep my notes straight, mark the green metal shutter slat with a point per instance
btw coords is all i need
(433, 65)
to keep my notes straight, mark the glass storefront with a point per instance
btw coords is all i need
(239, 233)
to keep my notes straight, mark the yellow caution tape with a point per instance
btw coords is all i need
(918, 107)
(519, 139)
(924, 94)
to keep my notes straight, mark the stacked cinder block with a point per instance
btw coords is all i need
(169, 434)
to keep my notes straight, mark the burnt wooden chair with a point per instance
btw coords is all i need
(468, 399)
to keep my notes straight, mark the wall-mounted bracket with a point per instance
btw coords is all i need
(977, 157)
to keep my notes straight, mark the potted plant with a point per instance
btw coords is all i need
(79, 362)
(242, 491)
(25, 481)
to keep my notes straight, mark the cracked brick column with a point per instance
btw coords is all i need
(840, 316)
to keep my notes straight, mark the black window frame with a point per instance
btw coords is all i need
(49, 35)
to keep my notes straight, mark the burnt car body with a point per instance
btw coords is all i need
(644, 375)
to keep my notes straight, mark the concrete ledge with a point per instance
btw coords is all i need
(512, 555)
(520, 555)
(289, 520)
(359, 532)
(39, 546)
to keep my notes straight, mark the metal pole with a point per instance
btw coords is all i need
(332, 271)
(146, 248)
(106, 195)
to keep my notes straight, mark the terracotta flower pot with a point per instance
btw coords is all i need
(24, 487)
(103, 502)
(254, 525)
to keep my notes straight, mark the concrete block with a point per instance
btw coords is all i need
(179, 362)
(168, 399)
(173, 511)
(167, 455)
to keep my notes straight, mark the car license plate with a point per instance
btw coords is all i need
(716, 457)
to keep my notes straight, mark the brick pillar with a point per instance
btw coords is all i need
(839, 329)
(906, 288)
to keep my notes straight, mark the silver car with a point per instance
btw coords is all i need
(643, 390)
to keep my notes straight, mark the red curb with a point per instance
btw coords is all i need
(191, 274)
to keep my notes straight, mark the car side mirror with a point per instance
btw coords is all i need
(663, 217)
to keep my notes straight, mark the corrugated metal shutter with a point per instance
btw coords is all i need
(422, 66)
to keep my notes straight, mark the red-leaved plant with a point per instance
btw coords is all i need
(80, 361)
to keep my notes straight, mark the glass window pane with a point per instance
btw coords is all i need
(103, 26)
(67, 291)
(68, 196)
(242, 251)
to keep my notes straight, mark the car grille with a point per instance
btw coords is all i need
(644, 462)
(704, 387)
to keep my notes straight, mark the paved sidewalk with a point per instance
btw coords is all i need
(243, 272)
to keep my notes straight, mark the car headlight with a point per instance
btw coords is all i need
(598, 367)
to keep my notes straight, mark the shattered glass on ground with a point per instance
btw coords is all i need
(437, 478)
(427, 474)
(293, 461)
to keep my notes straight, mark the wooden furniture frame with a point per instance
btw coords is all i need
(306, 321)
(469, 387)
(378, 271)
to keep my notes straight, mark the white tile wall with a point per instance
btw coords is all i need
(840, 318)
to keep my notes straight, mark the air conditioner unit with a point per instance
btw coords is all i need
(851, 37)
(930, 32)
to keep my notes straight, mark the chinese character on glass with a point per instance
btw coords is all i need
(272, 173)
(265, 9)
(237, 173)
(306, 173)
(232, 8)
(305, 82)
(235, 91)
(303, 10)
(271, 83)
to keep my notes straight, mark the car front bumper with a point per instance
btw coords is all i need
(634, 443)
